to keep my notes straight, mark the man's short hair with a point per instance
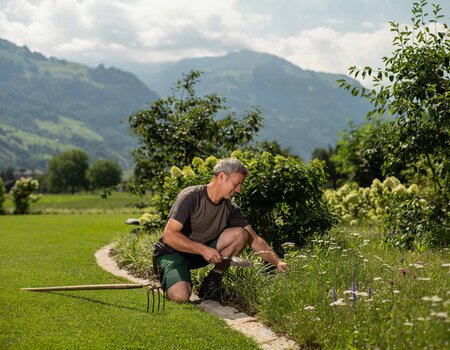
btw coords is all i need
(230, 166)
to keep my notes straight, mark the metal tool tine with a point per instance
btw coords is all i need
(159, 298)
(153, 300)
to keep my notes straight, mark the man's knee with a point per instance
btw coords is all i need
(239, 236)
(180, 292)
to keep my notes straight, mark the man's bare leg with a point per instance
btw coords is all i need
(180, 292)
(231, 243)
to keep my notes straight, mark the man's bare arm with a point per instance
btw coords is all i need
(260, 246)
(173, 237)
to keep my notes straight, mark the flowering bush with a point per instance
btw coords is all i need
(402, 212)
(22, 193)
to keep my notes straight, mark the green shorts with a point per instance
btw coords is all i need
(176, 267)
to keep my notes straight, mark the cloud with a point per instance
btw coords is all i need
(158, 29)
(111, 31)
(327, 50)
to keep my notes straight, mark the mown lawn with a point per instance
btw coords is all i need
(83, 202)
(48, 250)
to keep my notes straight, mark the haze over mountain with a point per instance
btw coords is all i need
(49, 105)
(302, 109)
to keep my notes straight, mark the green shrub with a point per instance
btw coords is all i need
(2, 195)
(282, 198)
(22, 193)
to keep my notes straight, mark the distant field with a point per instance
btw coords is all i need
(118, 202)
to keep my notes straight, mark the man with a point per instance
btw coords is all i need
(204, 227)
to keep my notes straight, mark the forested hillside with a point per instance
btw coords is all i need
(49, 105)
(302, 109)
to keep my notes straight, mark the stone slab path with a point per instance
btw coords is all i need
(250, 326)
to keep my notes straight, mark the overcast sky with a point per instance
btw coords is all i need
(321, 35)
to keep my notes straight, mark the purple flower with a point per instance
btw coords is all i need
(402, 259)
(334, 295)
(369, 291)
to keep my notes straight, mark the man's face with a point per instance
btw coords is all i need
(232, 184)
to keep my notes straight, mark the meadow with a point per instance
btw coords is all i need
(48, 250)
(348, 290)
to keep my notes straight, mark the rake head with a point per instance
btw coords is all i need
(152, 289)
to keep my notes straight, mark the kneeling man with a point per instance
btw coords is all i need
(203, 227)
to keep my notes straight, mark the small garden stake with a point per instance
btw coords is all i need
(152, 287)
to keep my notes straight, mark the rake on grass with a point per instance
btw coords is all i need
(152, 288)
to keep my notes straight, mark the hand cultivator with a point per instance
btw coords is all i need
(152, 288)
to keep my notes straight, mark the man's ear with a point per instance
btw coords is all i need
(222, 176)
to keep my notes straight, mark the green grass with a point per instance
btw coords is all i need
(83, 202)
(45, 250)
(408, 308)
(67, 127)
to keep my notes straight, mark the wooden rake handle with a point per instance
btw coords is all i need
(89, 287)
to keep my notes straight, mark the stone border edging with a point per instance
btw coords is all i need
(250, 326)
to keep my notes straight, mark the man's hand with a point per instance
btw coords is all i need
(282, 266)
(211, 255)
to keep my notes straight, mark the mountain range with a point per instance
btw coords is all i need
(49, 105)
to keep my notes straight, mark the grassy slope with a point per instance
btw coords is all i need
(59, 250)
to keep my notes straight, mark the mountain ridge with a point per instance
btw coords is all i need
(303, 109)
(48, 105)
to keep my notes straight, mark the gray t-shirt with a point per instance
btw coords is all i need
(202, 219)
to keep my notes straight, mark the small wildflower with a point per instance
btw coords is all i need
(377, 278)
(316, 319)
(353, 285)
(434, 299)
(439, 314)
(402, 259)
(408, 324)
(365, 260)
(369, 292)
(395, 291)
(424, 278)
(339, 302)
(417, 266)
(445, 265)
(309, 308)
(420, 319)
(404, 271)
(333, 294)
(288, 245)
(303, 257)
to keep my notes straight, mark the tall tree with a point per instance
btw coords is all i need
(326, 155)
(103, 173)
(176, 129)
(414, 86)
(359, 154)
(67, 171)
